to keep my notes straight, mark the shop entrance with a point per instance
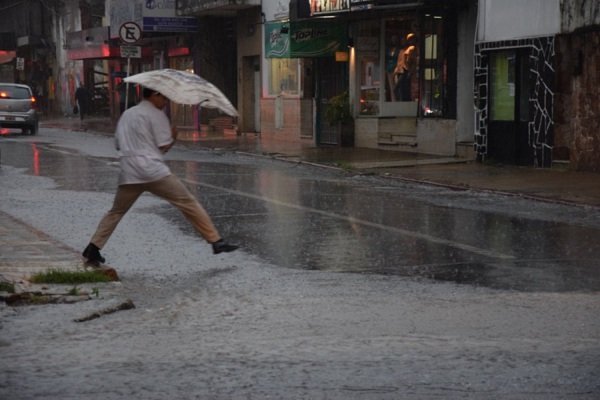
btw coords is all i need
(332, 78)
(508, 135)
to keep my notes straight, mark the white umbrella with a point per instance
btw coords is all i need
(184, 88)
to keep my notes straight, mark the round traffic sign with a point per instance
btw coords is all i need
(130, 32)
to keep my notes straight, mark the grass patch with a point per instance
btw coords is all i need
(345, 165)
(69, 277)
(7, 287)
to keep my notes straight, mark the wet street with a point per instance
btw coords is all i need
(310, 218)
(347, 285)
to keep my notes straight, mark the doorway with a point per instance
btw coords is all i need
(508, 135)
(332, 78)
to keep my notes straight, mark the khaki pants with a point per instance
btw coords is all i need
(169, 188)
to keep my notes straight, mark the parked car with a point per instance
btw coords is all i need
(17, 108)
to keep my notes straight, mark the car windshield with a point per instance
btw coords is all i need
(13, 92)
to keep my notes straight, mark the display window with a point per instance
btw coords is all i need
(406, 65)
(401, 55)
(434, 80)
(284, 76)
(368, 66)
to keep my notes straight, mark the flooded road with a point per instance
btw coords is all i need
(305, 217)
(346, 287)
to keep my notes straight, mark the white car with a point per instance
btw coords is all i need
(17, 108)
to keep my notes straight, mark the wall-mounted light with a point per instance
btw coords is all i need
(342, 56)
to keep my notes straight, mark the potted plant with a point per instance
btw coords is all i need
(338, 114)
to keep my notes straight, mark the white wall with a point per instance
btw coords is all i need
(515, 19)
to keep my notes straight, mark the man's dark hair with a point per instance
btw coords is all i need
(147, 92)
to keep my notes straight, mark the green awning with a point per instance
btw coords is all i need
(299, 39)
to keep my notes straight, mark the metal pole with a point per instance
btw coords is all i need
(127, 84)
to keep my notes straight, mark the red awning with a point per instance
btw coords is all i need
(7, 56)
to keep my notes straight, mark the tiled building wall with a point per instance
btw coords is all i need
(541, 96)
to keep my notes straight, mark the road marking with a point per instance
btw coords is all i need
(405, 232)
(401, 231)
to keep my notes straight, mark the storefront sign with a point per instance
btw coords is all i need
(328, 6)
(160, 16)
(303, 39)
(336, 6)
(20, 63)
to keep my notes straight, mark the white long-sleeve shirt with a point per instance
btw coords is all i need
(140, 133)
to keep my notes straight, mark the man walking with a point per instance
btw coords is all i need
(143, 135)
(82, 96)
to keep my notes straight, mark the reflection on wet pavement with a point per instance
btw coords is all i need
(308, 218)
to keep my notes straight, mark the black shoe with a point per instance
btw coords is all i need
(92, 254)
(221, 246)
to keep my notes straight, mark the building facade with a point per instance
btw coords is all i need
(536, 81)
(514, 81)
(515, 75)
(577, 110)
(398, 63)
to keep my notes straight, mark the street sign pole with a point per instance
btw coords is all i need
(130, 33)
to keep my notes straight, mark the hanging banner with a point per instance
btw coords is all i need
(304, 39)
(277, 40)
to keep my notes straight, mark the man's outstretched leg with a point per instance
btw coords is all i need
(124, 198)
(171, 189)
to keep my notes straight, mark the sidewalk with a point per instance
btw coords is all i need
(24, 250)
(557, 184)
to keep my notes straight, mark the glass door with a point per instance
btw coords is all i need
(508, 138)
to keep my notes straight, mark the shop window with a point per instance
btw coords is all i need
(284, 76)
(369, 85)
(400, 59)
(369, 70)
(438, 66)
(502, 86)
(433, 67)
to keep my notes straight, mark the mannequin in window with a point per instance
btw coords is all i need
(405, 68)
(392, 54)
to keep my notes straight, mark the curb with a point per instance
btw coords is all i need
(457, 187)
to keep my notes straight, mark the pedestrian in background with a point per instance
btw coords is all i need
(82, 96)
(143, 135)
